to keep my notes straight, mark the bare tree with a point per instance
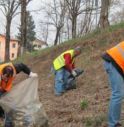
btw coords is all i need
(23, 25)
(103, 21)
(87, 19)
(56, 12)
(8, 8)
(23, 43)
(44, 30)
(60, 22)
(68, 28)
(74, 8)
(118, 16)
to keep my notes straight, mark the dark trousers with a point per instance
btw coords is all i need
(6, 116)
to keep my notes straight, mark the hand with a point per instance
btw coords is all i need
(74, 73)
(33, 75)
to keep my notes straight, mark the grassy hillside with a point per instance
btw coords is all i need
(87, 105)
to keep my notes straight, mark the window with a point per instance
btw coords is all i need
(39, 46)
(13, 55)
(13, 45)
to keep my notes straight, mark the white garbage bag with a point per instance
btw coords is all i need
(23, 104)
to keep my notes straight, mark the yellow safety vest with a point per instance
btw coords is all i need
(7, 86)
(59, 62)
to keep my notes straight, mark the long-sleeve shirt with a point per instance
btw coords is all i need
(20, 67)
(69, 64)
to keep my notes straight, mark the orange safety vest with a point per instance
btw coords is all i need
(3, 85)
(117, 53)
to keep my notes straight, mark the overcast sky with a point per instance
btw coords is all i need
(37, 16)
(33, 6)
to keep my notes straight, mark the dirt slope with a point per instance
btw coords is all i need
(65, 111)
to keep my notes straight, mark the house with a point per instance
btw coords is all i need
(13, 48)
(39, 44)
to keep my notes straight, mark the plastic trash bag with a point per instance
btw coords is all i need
(23, 105)
(71, 82)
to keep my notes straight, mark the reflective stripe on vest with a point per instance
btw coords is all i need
(3, 85)
(117, 53)
(120, 50)
(59, 62)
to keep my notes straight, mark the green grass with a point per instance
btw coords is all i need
(84, 104)
(27, 55)
(95, 121)
(116, 26)
(93, 35)
(22, 58)
(88, 122)
(108, 30)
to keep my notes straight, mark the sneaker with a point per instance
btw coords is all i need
(59, 93)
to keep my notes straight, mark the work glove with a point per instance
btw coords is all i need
(31, 75)
(74, 73)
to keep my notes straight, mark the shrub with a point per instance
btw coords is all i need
(84, 104)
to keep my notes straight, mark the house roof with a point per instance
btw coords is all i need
(12, 39)
(40, 41)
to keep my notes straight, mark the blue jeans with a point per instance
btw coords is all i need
(8, 119)
(61, 77)
(117, 94)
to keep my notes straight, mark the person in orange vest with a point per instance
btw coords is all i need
(64, 65)
(114, 66)
(8, 72)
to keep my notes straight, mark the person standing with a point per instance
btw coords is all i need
(114, 66)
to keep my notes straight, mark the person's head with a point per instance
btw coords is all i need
(7, 73)
(77, 51)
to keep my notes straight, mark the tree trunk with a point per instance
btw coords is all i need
(7, 40)
(103, 21)
(68, 28)
(74, 24)
(23, 26)
(57, 36)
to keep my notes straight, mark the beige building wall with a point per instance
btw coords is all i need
(13, 49)
(2, 48)
(39, 44)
